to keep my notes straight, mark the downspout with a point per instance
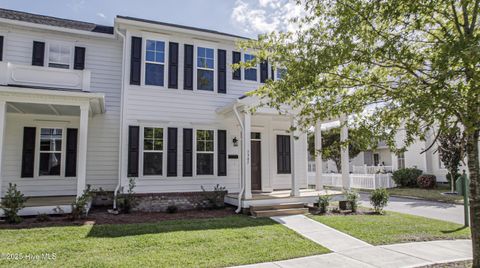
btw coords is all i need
(122, 97)
(242, 165)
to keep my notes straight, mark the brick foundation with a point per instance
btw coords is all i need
(159, 202)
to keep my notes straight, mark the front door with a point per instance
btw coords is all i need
(256, 165)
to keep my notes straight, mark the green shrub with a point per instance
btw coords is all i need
(352, 197)
(42, 217)
(126, 200)
(12, 203)
(379, 200)
(79, 206)
(172, 209)
(406, 177)
(427, 181)
(323, 202)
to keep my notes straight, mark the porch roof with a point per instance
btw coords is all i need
(244, 103)
(57, 101)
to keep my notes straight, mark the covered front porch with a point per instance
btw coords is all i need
(43, 140)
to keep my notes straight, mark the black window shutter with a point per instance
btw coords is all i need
(71, 154)
(222, 71)
(283, 154)
(187, 152)
(236, 58)
(172, 152)
(173, 65)
(133, 144)
(188, 68)
(79, 58)
(222, 152)
(1, 48)
(272, 73)
(136, 60)
(263, 71)
(38, 54)
(28, 152)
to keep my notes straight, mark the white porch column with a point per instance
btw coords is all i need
(3, 113)
(82, 149)
(247, 126)
(344, 154)
(295, 184)
(318, 157)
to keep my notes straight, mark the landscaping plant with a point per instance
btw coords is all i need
(352, 197)
(406, 177)
(172, 209)
(12, 203)
(379, 200)
(126, 200)
(427, 181)
(79, 206)
(323, 203)
(216, 198)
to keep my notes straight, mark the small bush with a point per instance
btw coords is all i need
(406, 177)
(172, 209)
(12, 203)
(126, 200)
(379, 200)
(323, 203)
(42, 217)
(352, 197)
(427, 181)
(79, 206)
(216, 198)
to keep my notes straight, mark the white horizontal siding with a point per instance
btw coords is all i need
(104, 59)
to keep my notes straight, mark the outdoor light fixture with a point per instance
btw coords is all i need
(235, 141)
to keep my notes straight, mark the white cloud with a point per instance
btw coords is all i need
(263, 16)
(101, 15)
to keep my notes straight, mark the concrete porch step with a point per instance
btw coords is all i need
(279, 212)
(279, 206)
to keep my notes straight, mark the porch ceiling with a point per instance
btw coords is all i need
(47, 109)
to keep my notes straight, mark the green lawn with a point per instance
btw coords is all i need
(394, 228)
(231, 240)
(427, 194)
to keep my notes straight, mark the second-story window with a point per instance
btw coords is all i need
(59, 56)
(205, 70)
(281, 73)
(250, 73)
(154, 62)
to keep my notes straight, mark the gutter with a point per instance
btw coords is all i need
(122, 107)
(242, 171)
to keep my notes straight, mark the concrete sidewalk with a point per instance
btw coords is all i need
(352, 252)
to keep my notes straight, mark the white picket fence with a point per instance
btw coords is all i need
(357, 181)
(371, 169)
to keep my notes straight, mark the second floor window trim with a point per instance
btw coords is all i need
(60, 55)
(250, 74)
(205, 65)
(154, 62)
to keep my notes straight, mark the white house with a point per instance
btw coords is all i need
(84, 104)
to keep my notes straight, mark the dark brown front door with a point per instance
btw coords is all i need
(256, 165)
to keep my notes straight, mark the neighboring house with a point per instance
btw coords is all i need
(84, 104)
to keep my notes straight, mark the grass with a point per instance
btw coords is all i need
(394, 228)
(232, 240)
(427, 194)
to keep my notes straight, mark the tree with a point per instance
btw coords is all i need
(451, 151)
(331, 147)
(397, 64)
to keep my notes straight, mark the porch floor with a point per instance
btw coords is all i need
(280, 197)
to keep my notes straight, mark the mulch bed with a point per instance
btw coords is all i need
(101, 216)
(334, 211)
(458, 264)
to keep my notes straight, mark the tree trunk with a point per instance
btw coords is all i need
(473, 168)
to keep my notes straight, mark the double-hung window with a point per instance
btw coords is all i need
(250, 73)
(50, 151)
(154, 62)
(59, 55)
(205, 152)
(281, 73)
(401, 160)
(205, 68)
(152, 151)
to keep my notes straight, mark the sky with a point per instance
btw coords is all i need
(241, 17)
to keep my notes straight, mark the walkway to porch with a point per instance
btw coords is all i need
(278, 197)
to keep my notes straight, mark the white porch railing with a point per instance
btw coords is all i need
(40, 76)
(372, 169)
